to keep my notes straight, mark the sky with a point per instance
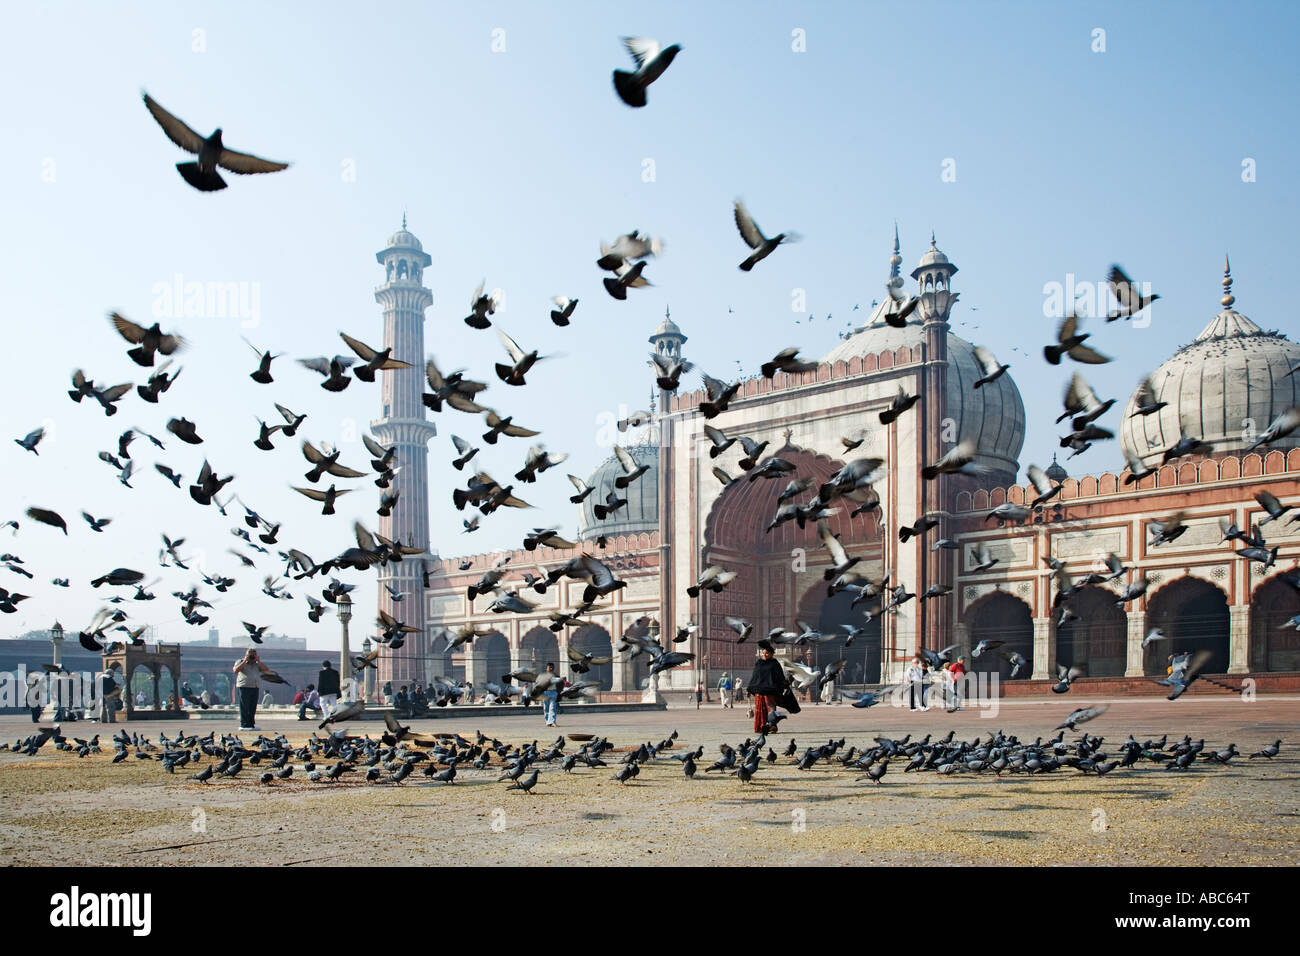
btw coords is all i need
(1032, 145)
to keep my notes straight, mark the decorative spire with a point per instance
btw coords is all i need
(895, 280)
(1228, 297)
(932, 239)
(403, 219)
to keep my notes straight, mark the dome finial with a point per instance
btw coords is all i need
(1228, 297)
(896, 260)
(932, 245)
(403, 218)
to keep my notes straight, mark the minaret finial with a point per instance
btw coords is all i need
(403, 219)
(932, 239)
(895, 280)
(667, 313)
(1228, 297)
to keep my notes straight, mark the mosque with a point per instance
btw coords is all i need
(1224, 388)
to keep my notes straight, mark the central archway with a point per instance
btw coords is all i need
(767, 563)
(1194, 616)
(594, 640)
(1097, 640)
(494, 651)
(1001, 617)
(539, 647)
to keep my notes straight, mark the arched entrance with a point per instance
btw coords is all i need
(142, 688)
(1194, 616)
(539, 647)
(862, 657)
(494, 651)
(1001, 617)
(1272, 646)
(1096, 641)
(767, 563)
(222, 689)
(594, 640)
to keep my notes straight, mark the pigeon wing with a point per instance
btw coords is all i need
(245, 163)
(749, 230)
(176, 130)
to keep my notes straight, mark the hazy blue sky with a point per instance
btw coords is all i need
(513, 165)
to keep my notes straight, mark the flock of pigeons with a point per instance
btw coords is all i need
(398, 752)
(626, 258)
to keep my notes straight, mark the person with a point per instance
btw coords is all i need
(958, 672)
(943, 679)
(914, 675)
(299, 697)
(388, 692)
(828, 691)
(108, 695)
(206, 697)
(419, 702)
(551, 696)
(310, 701)
(248, 681)
(740, 689)
(469, 692)
(327, 686)
(925, 684)
(172, 702)
(139, 700)
(765, 685)
(402, 702)
(724, 689)
(699, 693)
(267, 699)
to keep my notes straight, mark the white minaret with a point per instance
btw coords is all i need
(404, 299)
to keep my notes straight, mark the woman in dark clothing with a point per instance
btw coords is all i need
(766, 684)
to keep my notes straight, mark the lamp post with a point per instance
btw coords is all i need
(345, 615)
(367, 680)
(55, 681)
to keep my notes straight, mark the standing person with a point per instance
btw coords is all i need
(388, 692)
(914, 676)
(327, 686)
(724, 690)
(740, 689)
(551, 697)
(943, 679)
(248, 681)
(699, 693)
(469, 692)
(958, 672)
(108, 692)
(765, 684)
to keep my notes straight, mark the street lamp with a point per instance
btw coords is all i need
(366, 678)
(345, 615)
(54, 682)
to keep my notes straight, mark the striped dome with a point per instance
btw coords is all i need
(640, 514)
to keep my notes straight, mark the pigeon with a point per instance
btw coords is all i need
(990, 369)
(651, 62)
(376, 361)
(985, 645)
(1269, 503)
(668, 370)
(960, 459)
(626, 276)
(146, 341)
(1083, 715)
(788, 361)
(327, 497)
(1185, 445)
(334, 369)
(158, 383)
(167, 473)
(720, 396)
(1153, 635)
(212, 153)
(523, 361)
(1186, 669)
(900, 403)
(1269, 752)
(1065, 678)
(754, 238)
(1144, 399)
(1127, 294)
(1279, 428)
(563, 309)
(481, 306)
(1069, 341)
(185, 430)
(525, 783)
(51, 518)
(32, 439)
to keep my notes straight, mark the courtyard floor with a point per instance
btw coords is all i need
(58, 809)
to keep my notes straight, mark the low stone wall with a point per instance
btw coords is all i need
(1267, 683)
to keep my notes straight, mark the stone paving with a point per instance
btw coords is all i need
(58, 809)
